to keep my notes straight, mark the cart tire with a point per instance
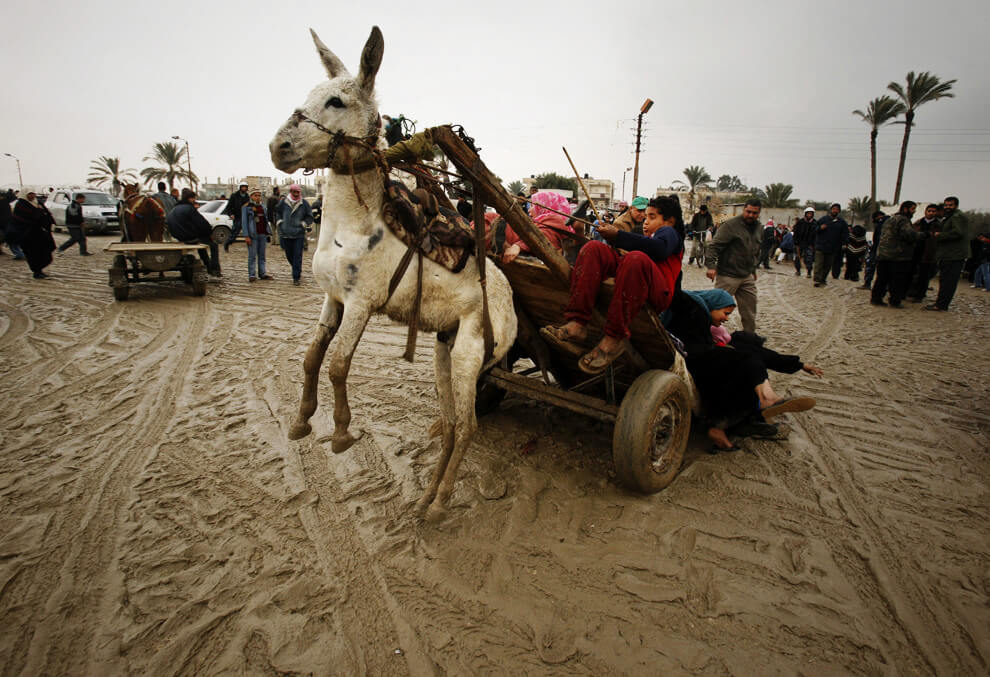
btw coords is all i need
(199, 279)
(220, 234)
(118, 278)
(651, 431)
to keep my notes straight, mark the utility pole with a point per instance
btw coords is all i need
(639, 133)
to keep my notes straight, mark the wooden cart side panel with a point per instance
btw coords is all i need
(544, 298)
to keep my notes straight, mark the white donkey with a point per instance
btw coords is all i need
(356, 257)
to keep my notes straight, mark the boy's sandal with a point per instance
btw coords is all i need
(790, 404)
(598, 360)
(557, 337)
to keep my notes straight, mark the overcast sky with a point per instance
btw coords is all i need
(761, 89)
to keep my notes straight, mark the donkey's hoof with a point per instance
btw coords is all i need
(299, 431)
(435, 512)
(342, 443)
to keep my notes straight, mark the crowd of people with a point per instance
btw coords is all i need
(26, 226)
(643, 249)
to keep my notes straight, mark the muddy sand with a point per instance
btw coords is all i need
(154, 519)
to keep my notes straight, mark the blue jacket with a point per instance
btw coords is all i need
(247, 220)
(834, 234)
(658, 246)
(290, 221)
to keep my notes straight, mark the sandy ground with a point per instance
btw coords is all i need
(154, 519)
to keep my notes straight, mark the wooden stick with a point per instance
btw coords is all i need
(586, 193)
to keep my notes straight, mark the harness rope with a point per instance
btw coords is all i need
(340, 141)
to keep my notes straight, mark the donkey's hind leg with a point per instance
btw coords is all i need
(445, 398)
(353, 321)
(466, 359)
(325, 330)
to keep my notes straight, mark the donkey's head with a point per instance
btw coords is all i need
(130, 189)
(343, 103)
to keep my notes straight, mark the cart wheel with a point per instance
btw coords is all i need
(118, 278)
(220, 234)
(199, 278)
(651, 431)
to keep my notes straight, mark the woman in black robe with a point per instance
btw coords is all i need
(732, 380)
(32, 224)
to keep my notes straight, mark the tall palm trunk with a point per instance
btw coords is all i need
(908, 122)
(873, 165)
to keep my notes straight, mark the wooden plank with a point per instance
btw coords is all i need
(131, 247)
(543, 298)
(536, 390)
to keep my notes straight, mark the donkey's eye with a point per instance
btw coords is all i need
(335, 102)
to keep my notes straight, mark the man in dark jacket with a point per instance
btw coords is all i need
(804, 241)
(768, 243)
(270, 205)
(233, 210)
(923, 264)
(186, 224)
(74, 222)
(701, 223)
(952, 247)
(894, 257)
(732, 257)
(830, 236)
(879, 218)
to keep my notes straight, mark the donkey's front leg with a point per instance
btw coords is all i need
(329, 320)
(352, 324)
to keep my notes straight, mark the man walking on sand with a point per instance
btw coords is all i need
(832, 233)
(732, 258)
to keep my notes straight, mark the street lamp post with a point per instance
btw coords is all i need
(639, 132)
(20, 179)
(627, 169)
(188, 163)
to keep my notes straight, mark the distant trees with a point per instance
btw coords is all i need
(697, 176)
(881, 111)
(730, 184)
(779, 195)
(105, 171)
(555, 180)
(515, 187)
(919, 90)
(862, 207)
(170, 157)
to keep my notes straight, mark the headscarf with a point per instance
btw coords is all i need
(712, 299)
(546, 198)
(288, 196)
(34, 202)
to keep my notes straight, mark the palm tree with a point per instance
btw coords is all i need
(106, 170)
(697, 177)
(881, 111)
(920, 89)
(779, 195)
(171, 155)
(862, 207)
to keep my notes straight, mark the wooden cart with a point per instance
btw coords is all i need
(649, 405)
(149, 261)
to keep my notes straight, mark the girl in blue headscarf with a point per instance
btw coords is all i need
(732, 380)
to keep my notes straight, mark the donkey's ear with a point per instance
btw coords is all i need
(333, 65)
(371, 59)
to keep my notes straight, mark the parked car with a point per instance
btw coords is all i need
(222, 224)
(99, 210)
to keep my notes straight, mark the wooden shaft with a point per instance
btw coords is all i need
(586, 193)
(462, 156)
